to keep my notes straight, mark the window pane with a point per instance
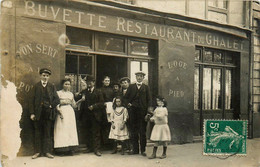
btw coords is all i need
(139, 48)
(106, 43)
(71, 64)
(73, 78)
(85, 65)
(228, 93)
(229, 59)
(216, 97)
(197, 55)
(77, 82)
(196, 88)
(218, 57)
(206, 96)
(78, 36)
(208, 56)
(145, 70)
(135, 67)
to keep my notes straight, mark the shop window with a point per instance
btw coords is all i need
(208, 56)
(218, 57)
(197, 55)
(78, 36)
(110, 43)
(216, 82)
(229, 59)
(138, 48)
(78, 66)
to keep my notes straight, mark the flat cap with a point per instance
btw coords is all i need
(140, 73)
(45, 70)
(125, 79)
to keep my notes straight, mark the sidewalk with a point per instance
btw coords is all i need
(186, 155)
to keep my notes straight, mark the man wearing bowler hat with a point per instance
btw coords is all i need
(42, 103)
(138, 100)
(93, 107)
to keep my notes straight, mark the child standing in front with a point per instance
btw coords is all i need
(118, 130)
(161, 132)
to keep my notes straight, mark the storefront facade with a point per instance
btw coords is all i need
(202, 71)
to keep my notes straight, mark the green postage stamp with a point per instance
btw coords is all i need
(224, 137)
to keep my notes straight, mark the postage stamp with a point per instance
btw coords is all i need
(224, 137)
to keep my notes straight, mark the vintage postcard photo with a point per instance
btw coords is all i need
(123, 83)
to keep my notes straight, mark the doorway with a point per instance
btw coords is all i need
(114, 67)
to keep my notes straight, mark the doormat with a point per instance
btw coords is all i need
(224, 137)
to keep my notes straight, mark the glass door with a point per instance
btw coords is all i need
(78, 66)
(139, 65)
(214, 86)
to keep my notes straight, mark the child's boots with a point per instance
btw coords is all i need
(114, 151)
(164, 152)
(123, 148)
(154, 153)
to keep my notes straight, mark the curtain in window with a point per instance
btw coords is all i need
(216, 90)
(196, 88)
(228, 89)
(206, 95)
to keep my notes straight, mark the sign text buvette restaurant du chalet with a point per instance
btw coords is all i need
(126, 26)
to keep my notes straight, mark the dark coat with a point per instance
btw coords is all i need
(108, 93)
(36, 95)
(96, 100)
(140, 98)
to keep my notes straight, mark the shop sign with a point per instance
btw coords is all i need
(125, 26)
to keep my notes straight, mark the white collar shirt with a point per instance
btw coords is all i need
(44, 84)
(91, 89)
(139, 84)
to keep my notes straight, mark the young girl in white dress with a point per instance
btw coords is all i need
(118, 131)
(161, 132)
(65, 129)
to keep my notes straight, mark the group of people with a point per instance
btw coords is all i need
(119, 114)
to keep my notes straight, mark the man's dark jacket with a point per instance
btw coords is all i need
(96, 100)
(140, 98)
(36, 98)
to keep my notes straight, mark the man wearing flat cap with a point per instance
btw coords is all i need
(138, 100)
(42, 103)
(93, 116)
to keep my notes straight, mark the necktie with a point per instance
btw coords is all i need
(89, 90)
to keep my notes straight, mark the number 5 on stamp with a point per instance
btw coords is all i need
(224, 137)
